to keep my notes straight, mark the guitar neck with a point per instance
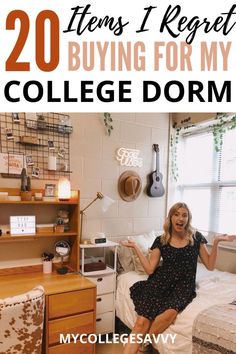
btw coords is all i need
(157, 161)
(156, 149)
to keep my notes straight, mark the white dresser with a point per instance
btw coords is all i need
(105, 281)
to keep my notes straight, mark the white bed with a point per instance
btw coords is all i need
(212, 288)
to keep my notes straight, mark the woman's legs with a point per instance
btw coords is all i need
(163, 321)
(141, 326)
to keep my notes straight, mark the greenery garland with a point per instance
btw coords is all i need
(174, 140)
(107, 120)
(218, 129)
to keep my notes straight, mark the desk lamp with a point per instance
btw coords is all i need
(106, 203)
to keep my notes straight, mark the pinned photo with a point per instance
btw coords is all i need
(61, 152)
(9, 134)
(35, 172)
(16, 118)
(29, 160)
(51, 144)
(64, 166)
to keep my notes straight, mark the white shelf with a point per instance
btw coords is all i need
(99, 245)
(106, 271)
(109, 269)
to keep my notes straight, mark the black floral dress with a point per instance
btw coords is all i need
(172, 285)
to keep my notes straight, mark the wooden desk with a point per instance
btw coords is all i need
(70, 307)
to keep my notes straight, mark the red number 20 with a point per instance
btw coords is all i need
(12, 63)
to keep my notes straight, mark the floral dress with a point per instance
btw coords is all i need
(172, 285)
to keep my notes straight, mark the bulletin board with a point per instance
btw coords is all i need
(31, 139)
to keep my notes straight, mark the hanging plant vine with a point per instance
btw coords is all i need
(218, 129)
(174, 141)
(108, 122)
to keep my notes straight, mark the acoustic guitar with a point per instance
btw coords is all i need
(155, 187)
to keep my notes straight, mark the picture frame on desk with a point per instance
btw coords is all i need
(50, 190)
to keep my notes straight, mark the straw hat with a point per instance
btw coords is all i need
(129, 186)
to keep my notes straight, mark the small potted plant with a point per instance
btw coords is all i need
(60, 225)
(47, 262)
(25, 189)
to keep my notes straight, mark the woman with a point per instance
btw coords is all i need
(171, 286)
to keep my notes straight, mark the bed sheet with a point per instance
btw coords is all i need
(213, 288)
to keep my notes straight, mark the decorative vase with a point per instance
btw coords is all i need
(26, 195)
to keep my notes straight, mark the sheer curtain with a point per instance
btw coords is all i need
(207, 180)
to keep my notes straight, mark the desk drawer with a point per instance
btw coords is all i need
(78, 348)
(105, 283)
(78, 324)
(70, 303)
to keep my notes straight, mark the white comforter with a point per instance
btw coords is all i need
(212, 288)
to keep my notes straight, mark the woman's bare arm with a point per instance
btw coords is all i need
(209, 258)
(148, 265)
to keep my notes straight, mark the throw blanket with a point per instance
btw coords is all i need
(214, 330)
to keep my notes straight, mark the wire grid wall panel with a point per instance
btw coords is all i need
(50, 136)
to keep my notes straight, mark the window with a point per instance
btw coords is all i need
(207, 180)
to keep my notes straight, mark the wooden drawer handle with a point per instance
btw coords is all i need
(100, 279)
(99, 299)
(98, 320)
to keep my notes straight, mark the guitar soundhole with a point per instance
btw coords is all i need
(157, 178)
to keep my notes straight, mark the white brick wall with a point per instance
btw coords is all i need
(95, 169)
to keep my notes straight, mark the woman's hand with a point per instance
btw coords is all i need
(129, 243)
(225, 237)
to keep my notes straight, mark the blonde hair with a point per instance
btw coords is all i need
(165, 238)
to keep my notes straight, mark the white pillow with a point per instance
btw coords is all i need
(125, 262)
(145, 241)
(137, 264)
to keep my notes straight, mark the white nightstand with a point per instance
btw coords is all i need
(106, 286)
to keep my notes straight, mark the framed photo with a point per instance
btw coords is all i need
(50, 190)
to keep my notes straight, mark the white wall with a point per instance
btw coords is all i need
(95, 169)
